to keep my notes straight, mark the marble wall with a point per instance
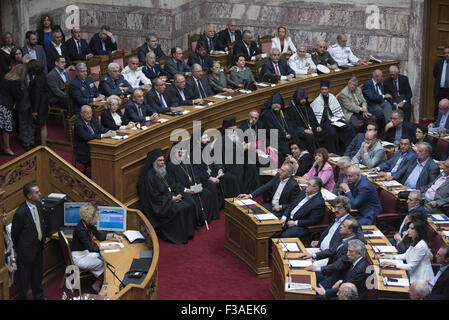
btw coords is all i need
(385, 29)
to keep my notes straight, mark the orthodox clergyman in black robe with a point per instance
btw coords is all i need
(211, 174)
(185, 177)
(171, 214)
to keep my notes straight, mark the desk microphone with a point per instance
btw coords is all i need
(288, 278)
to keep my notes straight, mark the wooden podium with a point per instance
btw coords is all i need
(248, 238)
(283, 274)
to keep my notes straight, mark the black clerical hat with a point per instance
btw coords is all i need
(154, 154)
(325, 83)
(228, 122)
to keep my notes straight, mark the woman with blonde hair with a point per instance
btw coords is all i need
(112, 118)
(85, 252)
(283, 42)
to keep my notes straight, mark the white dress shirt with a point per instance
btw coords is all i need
(301, 65)
(342, 55)
(135, 77)
(277, 194)
(327, 239)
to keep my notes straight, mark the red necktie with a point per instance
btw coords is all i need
(277, 70)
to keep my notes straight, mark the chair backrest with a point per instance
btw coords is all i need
(265, 43)
(192, 40)
(65, 249)
(118, 57)
(72, 74)
(441, 147)
(69, 100)
(388, 202)
(162, 61)
(96, 77)
(94, 65)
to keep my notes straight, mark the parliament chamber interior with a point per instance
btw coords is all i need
(214, 150)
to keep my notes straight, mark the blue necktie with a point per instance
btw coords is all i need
(162, 101)
(446, 81)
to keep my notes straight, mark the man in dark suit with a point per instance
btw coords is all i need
(376, 98)
(55, 49)
(439, 285)
(276, 66)
(36, 51)
(137, 110)
(421, 173)
(284, 188)
(247, 47)
(331, 237)
(151, 45)
(353, 270)
(28, 236)
(307, 210)
(363, 196)
(398, 86)
(200, 56)
(57, 79)
(78, 48)
(153, 69)
(210, 39)
(441, 125)
(229, 35)
(103, 42)
(401, 157)
(438, 193)
(159, 100)
(176, 64)
(197, 86)
(178, 93)
(113, 82)
(82, 89)
(441, 76)
(398, 127)
(86, 129)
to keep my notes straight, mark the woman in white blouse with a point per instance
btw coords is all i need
(283, 42)
(416, 260)
(112, 118)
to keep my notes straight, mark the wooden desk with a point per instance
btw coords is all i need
(248, 238)
(439, 228)
(383, 291)
(283, 273)
(117, 164)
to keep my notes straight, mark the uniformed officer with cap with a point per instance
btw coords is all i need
(134, 75)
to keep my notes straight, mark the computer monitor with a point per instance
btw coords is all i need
(72, 213)
(112, 219)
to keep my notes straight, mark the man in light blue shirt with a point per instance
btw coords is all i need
(442, 124)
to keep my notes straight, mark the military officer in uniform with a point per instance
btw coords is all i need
(343, 54)
(134, 75)
(301, 62)
(114, 83)
(321, 56)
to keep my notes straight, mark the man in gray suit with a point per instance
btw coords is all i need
(438, 193)
(421, 173)
(371, 153)
(353, 103)
(57, 79)
(36, 51)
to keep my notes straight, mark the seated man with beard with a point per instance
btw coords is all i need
(309, 131)
(210, 173)
(327, 110)
(185, 178)
(170, 213)
(273, 117)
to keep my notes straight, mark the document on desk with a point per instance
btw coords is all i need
(133, 235)
(162, 120)
(246, 202)
(265, 217)
(374, 233)
(263, 85)
(335, 159)
(385, 249)
(327, 195)
(299, 263)
(392, 183)
(295, 286)
(387, 143)
(218, 96)
(386, 260)
(439, 218)
(396, 282)
(199, 107)
(446, 233)
(289, 246)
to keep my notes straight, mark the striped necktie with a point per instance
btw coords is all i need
(37, 222)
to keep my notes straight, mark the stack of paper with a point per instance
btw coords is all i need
(385, 249)
(396, 282)
(246, 202)
(439, 218)
(265, 217)
(327, 195)
(299, 263)
(375, 233)
(133, 235)
(263, 85)
(392, 183)
(386, 260)
(104, 244)
(199, 107)
(289, 246)
(292, 286)
(446, 233)
(163, 120)
(120, 137)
